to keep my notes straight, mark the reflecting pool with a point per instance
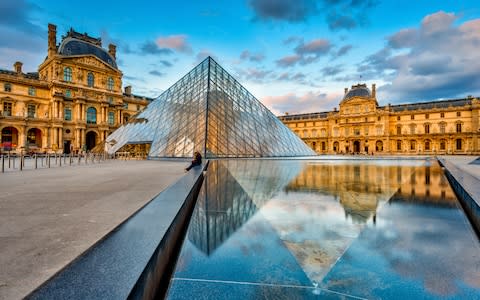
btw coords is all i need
(287, 229)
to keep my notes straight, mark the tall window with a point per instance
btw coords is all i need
(323, 146)
(413, 145)
(427, 145)
(90, 79)
(68, 93)
(399, 130)
(459, 127)
(442, 115)
(67, 74)
(111, 118)
(7, 87)
(427, 116)
(68, 114)
(7, 108)
(459, 144)
(398, 118)
(305, 133)
(32, 91)
(399, 145)
(91, 115)
(412, 117)
(459, 113)
(31, 111)
(442, 127)
(442, 145)
(412, 129)
(427, 128)
(110, 83)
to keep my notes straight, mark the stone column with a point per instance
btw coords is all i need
(60, 138)
(55, 136)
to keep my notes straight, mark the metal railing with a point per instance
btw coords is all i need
(12, 162)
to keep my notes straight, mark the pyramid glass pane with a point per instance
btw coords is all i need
(210, 112)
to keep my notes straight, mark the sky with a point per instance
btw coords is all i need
(295, 56)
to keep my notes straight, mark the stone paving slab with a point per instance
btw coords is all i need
(48, 217)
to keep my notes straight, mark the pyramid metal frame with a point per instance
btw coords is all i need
(208, 111)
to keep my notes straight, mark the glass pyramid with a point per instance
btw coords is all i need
(210, 112)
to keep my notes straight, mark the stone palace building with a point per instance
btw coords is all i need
(361, 126)
(72, 103)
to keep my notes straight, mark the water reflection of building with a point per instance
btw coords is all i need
(232, 192)
(361, 187)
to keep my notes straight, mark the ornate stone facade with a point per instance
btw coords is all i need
(72, 103)
(361, 126)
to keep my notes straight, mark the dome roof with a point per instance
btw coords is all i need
(359, 90)
(71, 46)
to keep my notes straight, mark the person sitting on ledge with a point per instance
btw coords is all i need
(196, 161)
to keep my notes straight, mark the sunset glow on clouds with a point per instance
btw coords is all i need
(295, 56)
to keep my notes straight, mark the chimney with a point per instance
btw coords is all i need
(374, 91)
(128, 90)
(112, 49)
(346, 90)
(17, 66)
(52, 40)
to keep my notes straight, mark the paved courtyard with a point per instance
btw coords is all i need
(50, 216)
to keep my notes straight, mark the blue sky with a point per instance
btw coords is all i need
(295, 56)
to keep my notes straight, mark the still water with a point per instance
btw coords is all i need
(273, 229)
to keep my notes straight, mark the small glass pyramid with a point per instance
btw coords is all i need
(210, 112)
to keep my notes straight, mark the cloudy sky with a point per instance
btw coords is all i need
(295, 56)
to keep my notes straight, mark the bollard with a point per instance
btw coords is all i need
(9, 160)
(36, 161)
(70, 159)
(79, 158)
(3, 163)
(13, 162)
(60, 160)
(48, 160)
(21, 162)
(41, 160)
(55, 158)
(64, 159)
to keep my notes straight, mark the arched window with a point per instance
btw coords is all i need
(67, 74)
(427, 145)
(110, 83)
(91, 115)
(459, 127)
(90, 79)
(442, 145)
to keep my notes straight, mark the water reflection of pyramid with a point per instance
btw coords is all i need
(233, 191)
(210, 112)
